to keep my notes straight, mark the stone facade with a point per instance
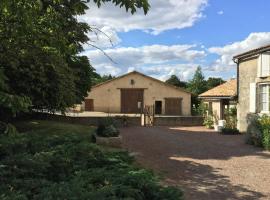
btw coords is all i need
(247, 73)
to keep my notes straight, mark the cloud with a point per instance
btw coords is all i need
(104, 37)
(221, 12)
(163, 15)
(158, 60)
(226, 53)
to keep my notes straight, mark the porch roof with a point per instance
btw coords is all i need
(226, 90)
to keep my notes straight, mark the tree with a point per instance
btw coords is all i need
(174, 80)
(40, 46)
(213, 82)
(197, 84)
(100, 79)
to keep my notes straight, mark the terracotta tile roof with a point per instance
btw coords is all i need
(227, 89)
(252, 52)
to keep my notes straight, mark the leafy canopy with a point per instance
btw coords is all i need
(40, 46)
(174, 80)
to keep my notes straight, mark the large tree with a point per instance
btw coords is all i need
(197, 84)
(40, 46)
(213, 82)
(174, 80)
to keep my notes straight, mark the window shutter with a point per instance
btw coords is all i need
(259, 66)
(252, 97)
(265, 64)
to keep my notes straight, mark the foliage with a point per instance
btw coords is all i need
(254, 134)
(197, 84)
(58, 161)
(10, 104)
(97, 78)
(107, 128)
(208, 121)
(230, 131)
(213, 82)
(231, 118)
(175, 81)
(199, 110)
(41, 42)
(264, 125)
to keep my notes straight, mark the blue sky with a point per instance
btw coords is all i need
(178, 35)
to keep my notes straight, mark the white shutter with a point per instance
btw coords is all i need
(259, 66)
(252, 97)
(265, 68)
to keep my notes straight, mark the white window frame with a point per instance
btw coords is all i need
(267, 93)
(264, 65)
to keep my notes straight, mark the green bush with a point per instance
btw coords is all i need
(230, 131)
(208, 121)
(107, 128)
(51, 163)
(231, 118)
(264, 125)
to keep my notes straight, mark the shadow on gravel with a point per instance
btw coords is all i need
(203, 182)
(171, 150)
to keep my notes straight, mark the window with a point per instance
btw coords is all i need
(265, 64)
(264, 97)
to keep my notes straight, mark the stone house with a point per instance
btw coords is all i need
(220, 98)
(131, 92)
(253, 84)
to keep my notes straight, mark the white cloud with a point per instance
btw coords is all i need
(163, 15)
(221, 12)
(226, 53)
(159, 60)
(102, 37)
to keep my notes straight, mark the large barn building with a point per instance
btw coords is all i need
(131, 92)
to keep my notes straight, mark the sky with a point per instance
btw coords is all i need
(176, 36)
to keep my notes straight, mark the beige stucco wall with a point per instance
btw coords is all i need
(215, 107)
(247, 75)
(107, 97)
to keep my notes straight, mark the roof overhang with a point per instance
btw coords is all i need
(217, 97)
(251, 53)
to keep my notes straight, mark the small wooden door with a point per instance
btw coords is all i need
(131, 100)
(173, 106)
(89, 104)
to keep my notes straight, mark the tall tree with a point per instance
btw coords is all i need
(213, 82)
(174, 80)
(197, 84)
(40, 46)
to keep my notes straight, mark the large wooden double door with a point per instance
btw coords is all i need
(131, 100)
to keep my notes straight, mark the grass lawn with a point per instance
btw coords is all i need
(52, 160)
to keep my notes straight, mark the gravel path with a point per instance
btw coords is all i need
(206, 165)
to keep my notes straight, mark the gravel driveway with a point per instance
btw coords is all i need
(206, 165)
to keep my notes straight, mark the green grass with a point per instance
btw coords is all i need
(52, 160)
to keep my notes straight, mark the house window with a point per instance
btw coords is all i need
(264, 97)
(265, 65)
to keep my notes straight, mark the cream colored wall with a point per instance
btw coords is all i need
(215, 107)
(107, 97)
(247, 75)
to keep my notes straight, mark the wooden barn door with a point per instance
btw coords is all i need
(173, 106)
(131, 100)
(89, 104)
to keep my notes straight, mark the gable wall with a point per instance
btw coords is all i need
(107, 97)
(247, 75)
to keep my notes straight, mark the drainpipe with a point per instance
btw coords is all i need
(236, 61)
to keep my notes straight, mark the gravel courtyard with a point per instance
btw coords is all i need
(205, 164)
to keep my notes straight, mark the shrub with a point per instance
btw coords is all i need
(107, 128)
(231, 118)
(264, 126)
(208, 121)
(57, 165)
(230, 131)
(253, 135)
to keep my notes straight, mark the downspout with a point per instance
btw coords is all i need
(236, 61)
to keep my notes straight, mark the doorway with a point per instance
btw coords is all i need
(158, 107)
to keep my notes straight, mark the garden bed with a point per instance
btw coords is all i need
(59, 161)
